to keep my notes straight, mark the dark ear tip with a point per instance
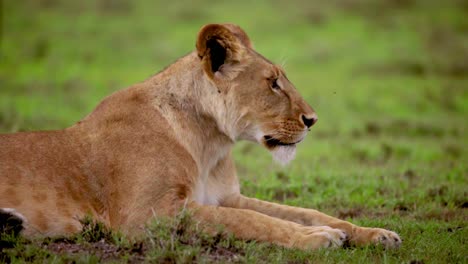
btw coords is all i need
(211, 27)
(212, 43)
(209, 31)
(218, 44)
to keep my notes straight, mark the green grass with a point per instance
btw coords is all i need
(388, 79)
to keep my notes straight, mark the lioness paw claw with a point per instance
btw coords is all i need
(388, 239)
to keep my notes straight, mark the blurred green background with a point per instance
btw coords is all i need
(388, 79)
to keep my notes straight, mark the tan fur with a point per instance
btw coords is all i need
(164, 144)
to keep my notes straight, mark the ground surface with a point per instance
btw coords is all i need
(388, 79)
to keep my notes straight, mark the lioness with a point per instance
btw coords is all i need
(165, 144)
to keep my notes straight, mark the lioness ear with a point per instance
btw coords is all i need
(221, 47)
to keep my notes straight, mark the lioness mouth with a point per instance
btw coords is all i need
(273, 142)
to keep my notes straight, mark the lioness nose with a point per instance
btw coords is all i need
(309, 121)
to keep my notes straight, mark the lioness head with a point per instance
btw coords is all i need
(267, 107)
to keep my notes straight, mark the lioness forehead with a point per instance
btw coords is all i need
(275, 68)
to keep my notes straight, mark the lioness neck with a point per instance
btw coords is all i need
(195, 110)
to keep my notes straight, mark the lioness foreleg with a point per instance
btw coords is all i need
(248, 224)
(309, 217)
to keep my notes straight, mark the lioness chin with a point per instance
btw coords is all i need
(165, 144)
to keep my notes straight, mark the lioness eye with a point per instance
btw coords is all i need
(274, 84)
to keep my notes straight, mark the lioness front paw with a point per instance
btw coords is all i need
(377, 236)
(315, 237)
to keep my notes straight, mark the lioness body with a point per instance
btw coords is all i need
(164, 144)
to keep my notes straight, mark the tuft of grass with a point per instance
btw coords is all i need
(181, 240)
(93, 231)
